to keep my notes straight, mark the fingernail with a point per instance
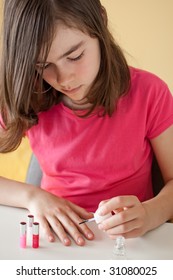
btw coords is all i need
(80, 240)
(51, 238)
(90, 235)
(66, 241)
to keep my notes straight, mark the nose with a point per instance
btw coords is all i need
(65, 78)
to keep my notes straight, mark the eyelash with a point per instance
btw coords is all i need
(42, 68)
(72, 59)
(77, 58)
(46, 65)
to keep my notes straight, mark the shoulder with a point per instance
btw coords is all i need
(148, 86)
(146, 80)
(151, 99)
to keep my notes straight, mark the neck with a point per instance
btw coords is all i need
(75, 105)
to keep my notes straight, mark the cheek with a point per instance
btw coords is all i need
(91, 73)
(49, 77)
(93, 65)
(89, 69)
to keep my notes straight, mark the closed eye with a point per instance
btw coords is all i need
(42, 67)
(76, 58)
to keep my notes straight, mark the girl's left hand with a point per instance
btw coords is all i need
(129, 219)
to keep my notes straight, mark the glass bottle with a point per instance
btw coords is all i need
(119, 250)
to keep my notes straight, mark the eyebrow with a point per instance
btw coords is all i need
(71, 50)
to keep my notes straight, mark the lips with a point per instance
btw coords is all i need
(71, 91)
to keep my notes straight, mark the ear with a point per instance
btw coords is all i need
(104, 15)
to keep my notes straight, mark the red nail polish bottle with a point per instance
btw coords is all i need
(35, 235)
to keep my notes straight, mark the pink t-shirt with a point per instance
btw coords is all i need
(96, 158)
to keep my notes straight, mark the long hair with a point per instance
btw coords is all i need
(28, 30)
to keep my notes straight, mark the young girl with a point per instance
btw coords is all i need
(93, 122)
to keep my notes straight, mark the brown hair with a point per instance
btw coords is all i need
(28, 29)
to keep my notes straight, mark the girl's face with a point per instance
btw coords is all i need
(72, 63)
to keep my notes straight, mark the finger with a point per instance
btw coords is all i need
(60, 231)
(102, 202)
(119, 218)
(86, 231)
(75, 213)
(83, 213)
(83, 228)
(46, 229)
(124, 229)
(118, 210)
(65, 224)
(131, 234)
(73, 231)
(119, 202)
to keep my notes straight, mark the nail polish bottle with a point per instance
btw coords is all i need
(22, 235)
(30, 221)
(35, 235)
(119, 250)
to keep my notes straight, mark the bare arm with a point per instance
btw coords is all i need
(162, 205)
(51, 211)
(13, 193)
(138, 218)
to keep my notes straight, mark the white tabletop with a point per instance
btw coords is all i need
(155, 245)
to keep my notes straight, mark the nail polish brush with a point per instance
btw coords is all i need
(97, 218)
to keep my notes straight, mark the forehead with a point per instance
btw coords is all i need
(66, 37)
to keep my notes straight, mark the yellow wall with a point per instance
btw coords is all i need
(144, 30)
(14, 165)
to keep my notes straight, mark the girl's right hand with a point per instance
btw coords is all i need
(59, 215)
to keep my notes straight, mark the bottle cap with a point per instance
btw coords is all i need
(99, 218)
(35, 227)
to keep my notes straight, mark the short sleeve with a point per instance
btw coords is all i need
(160, 110)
